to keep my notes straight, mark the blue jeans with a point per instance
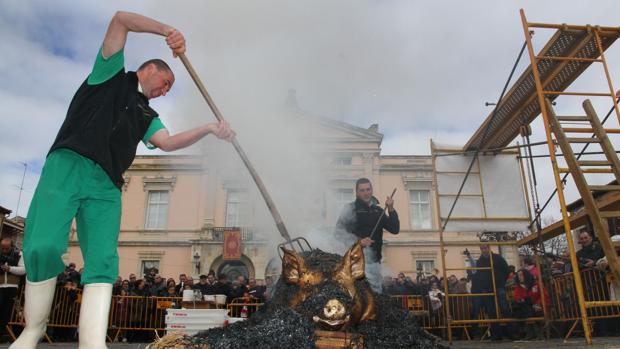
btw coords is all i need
(503, 302)
(488, 304)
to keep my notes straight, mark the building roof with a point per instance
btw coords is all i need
(5, 211)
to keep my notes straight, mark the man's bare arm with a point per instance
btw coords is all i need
(164, 141)
(124, 22)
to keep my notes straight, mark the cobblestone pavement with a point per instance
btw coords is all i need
(576, 343)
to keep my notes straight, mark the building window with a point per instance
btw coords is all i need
(157, 209)
(343, 197)
(236, 208)
(425, 265)
(342, 161)
(420, 209)
(147, 265)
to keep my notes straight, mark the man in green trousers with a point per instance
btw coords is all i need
(82, 177)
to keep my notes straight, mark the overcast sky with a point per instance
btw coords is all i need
(420, 70)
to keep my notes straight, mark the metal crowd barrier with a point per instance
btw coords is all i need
(134, 313)
(564, 307)
(235, 307)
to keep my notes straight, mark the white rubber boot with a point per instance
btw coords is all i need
(38, 302)
(94, 313)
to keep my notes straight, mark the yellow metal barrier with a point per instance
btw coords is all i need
(235, 307)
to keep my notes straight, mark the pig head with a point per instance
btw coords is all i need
(333, 293)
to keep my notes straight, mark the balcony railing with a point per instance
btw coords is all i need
(247, 234)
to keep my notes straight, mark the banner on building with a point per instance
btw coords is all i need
(232, 245)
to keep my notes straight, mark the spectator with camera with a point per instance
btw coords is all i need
(149, 277)
(403, 285)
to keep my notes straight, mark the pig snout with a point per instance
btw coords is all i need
(334, 316)
(334, 309)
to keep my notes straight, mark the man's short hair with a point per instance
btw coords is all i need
(362, 181)
(159, 64)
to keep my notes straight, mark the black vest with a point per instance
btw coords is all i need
(12, 258)
(105, 123)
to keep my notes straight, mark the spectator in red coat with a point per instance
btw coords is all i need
(527, 302)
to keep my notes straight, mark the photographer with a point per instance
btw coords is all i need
(11, 270)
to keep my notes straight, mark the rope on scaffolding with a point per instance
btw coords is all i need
(531, 170)
(484, 136)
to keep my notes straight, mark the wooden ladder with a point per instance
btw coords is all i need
(577, 168)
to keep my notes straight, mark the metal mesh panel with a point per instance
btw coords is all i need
(520, 105)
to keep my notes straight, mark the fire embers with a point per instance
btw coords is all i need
(271, 327)
(330, 290)
(319, 290)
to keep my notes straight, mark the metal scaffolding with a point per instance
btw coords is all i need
(567, 54)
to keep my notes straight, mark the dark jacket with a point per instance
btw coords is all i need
(221, 288)
(481, 280)
(205, 289)
(105, 123)
(359, 219)
(593, 252)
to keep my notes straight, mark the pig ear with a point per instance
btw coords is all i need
(353, 262)
(293, 266)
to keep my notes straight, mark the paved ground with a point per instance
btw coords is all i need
(577, 343)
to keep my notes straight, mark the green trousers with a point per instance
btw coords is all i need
(72, 186)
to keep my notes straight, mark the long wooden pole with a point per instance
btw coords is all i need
(261, 186)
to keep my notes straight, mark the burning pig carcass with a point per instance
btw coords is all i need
(318, 293)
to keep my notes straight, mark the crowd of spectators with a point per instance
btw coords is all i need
(525, 298)
(152, 284)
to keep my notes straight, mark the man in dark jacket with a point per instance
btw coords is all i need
(11, 271)
(590, 251)
(482, 282)
(360, 217)
(222, 286)
(82, 178)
